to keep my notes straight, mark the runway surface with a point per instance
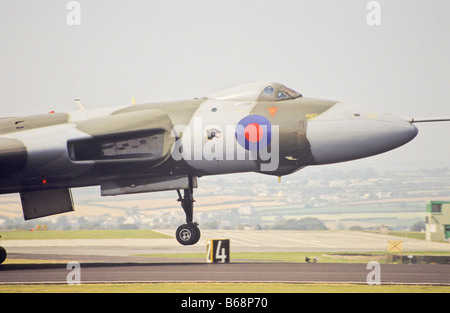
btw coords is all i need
(234, 272)
(115, 260)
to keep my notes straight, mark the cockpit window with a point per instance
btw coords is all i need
(288, 93)
(282, 93)
(268, 91)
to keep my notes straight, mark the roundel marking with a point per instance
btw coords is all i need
(254, 132)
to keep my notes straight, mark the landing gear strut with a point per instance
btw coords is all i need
(189, 233)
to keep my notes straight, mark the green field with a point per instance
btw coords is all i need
(82, 234)
(222, 288)
(296, 257)
(291, 257)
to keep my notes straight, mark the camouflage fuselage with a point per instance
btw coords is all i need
(196, 137)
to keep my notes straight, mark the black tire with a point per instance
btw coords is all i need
(198, 235)
(3, 255)
(188, 234)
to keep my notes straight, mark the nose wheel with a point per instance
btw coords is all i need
(188, 234)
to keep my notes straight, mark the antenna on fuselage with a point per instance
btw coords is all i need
(79, 104)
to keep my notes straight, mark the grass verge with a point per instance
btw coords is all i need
(222, 288)
(83, 234)
(295, 257)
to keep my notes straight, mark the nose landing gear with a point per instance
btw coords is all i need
(188, 234)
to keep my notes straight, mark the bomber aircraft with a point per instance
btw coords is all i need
(264, 127)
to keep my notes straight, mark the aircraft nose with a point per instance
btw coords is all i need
(343, 134)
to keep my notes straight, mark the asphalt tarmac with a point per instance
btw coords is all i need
(130, 272)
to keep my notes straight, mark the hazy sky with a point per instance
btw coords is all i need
(180, 49)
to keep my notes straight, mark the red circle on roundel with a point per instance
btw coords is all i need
(254, 132)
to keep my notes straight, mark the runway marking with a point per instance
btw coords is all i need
(265, 240)
(239, 241)
(285, 238)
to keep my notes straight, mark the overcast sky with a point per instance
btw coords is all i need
(181, 49)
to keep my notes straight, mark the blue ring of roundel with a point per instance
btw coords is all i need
(263, 142)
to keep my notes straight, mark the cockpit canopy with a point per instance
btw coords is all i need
(258, 91)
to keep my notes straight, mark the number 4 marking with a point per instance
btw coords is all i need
(220, 253)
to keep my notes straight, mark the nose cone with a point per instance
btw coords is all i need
(343, 134)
